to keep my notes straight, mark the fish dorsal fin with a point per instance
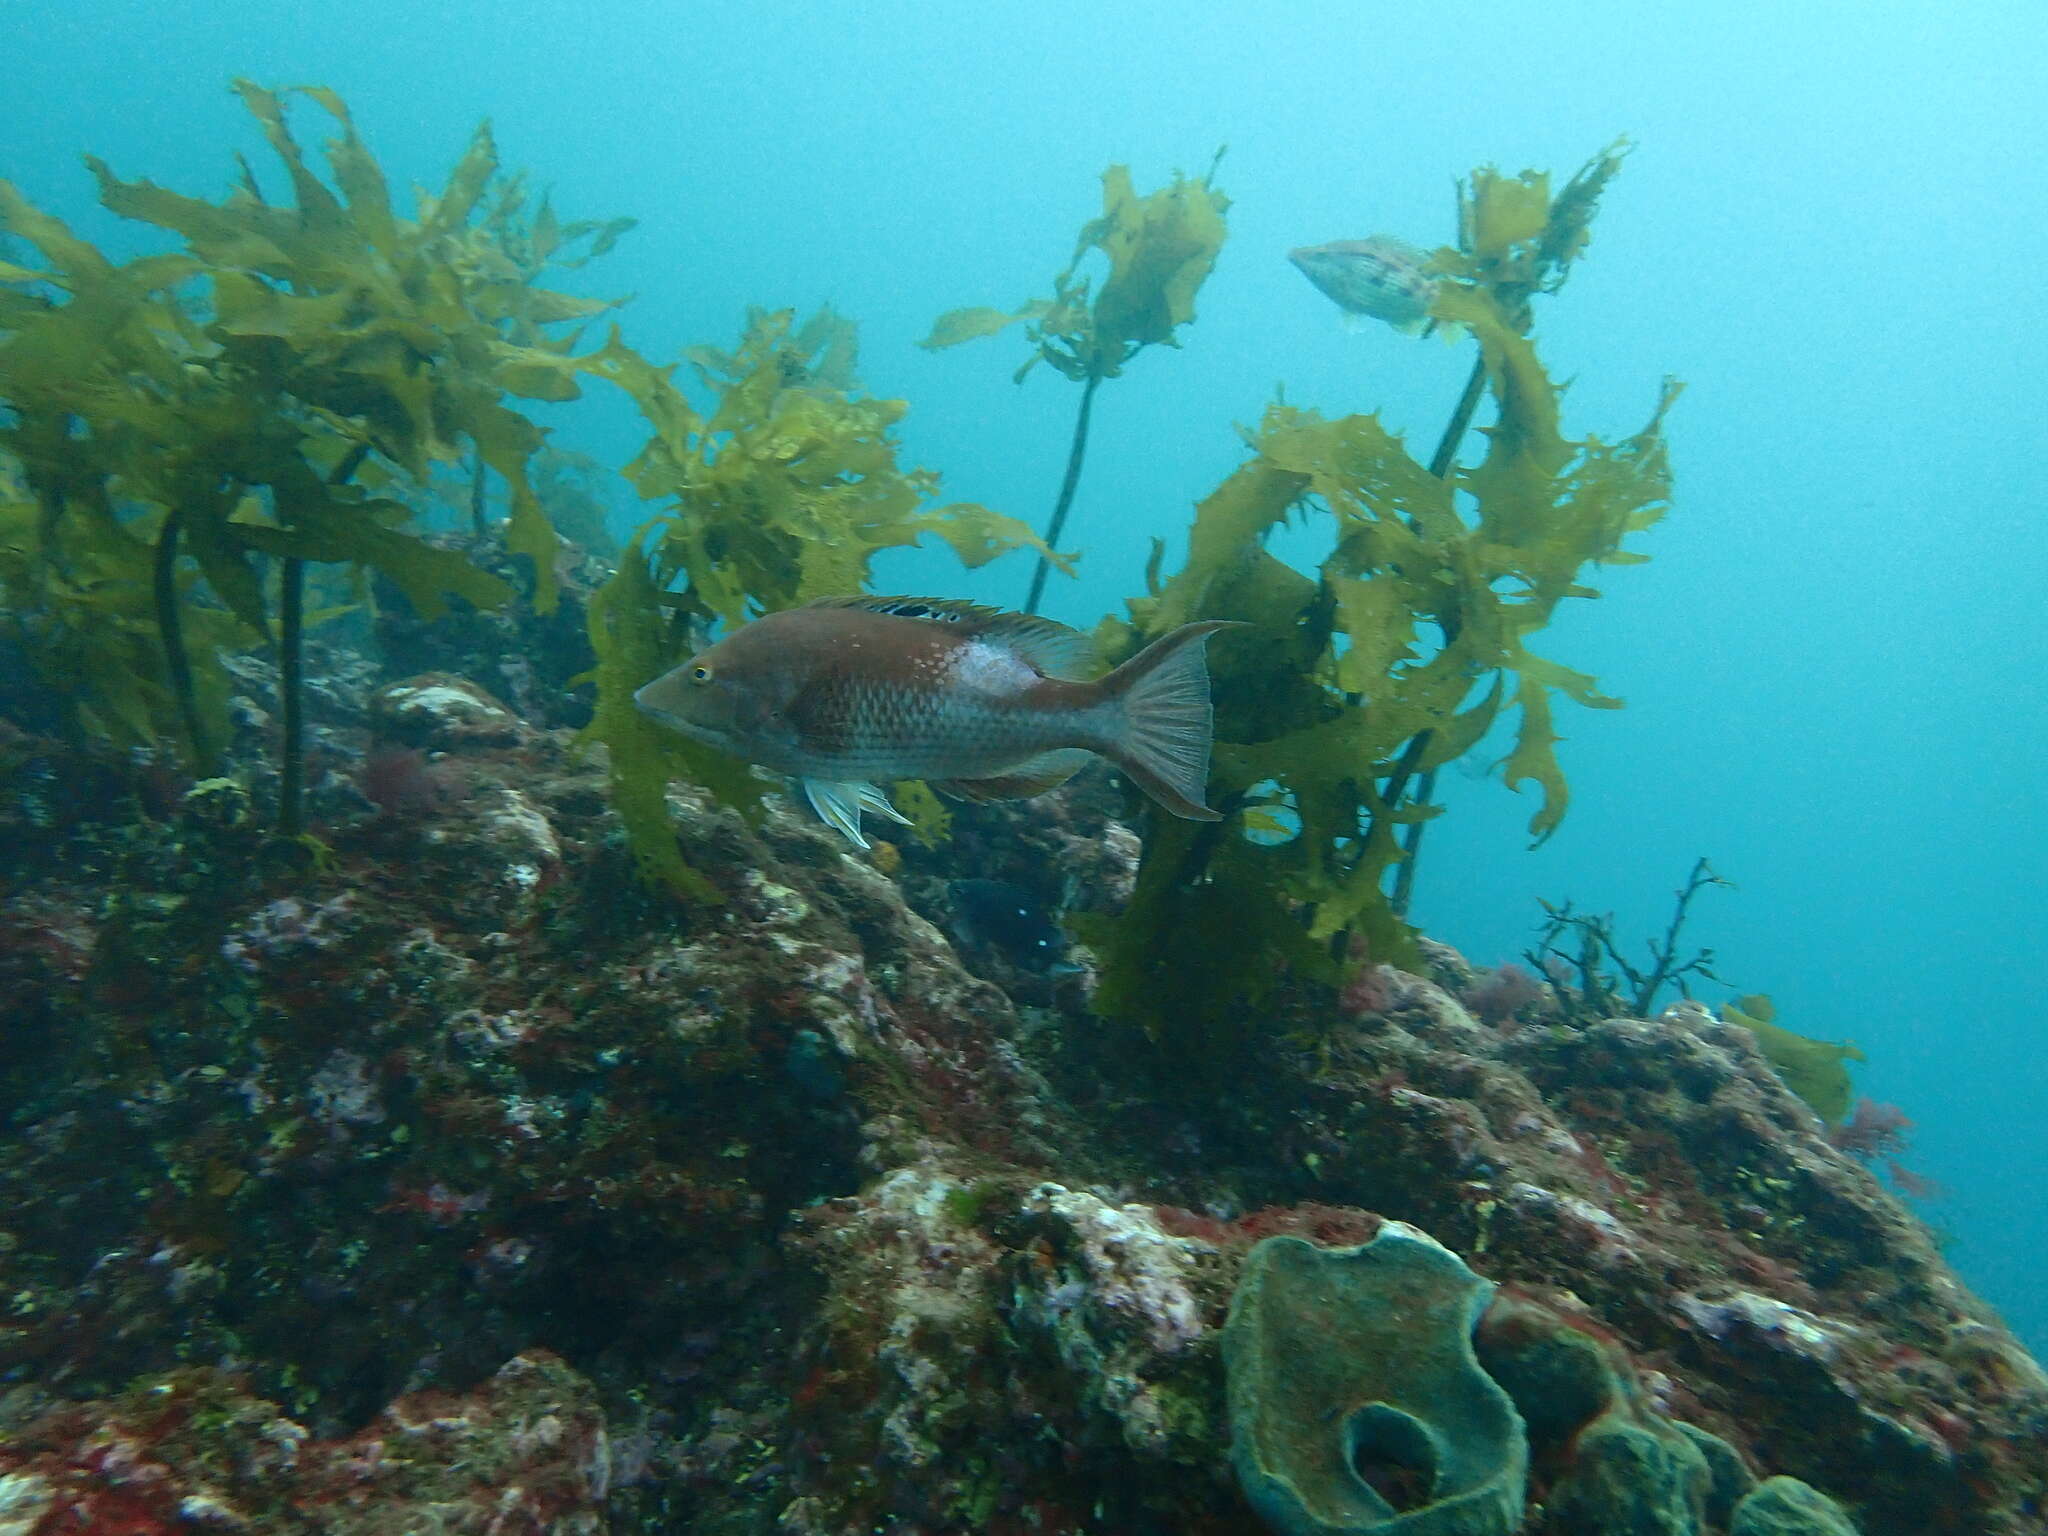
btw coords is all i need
(1046, 644)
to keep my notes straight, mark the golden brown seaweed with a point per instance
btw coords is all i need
(1408, 645)
(187, 424)
(784, 492)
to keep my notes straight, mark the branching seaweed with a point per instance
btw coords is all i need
(1406, 647)
(1160, 249)
(259, 396)
(1591, 979)
(783, 492)
(1598, 994)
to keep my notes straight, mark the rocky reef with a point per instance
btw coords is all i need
(439, 1174)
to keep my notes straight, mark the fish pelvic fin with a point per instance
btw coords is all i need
(1164, 722)
(840, 802)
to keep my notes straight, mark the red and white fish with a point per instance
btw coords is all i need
(850, 693)
(1384, 278)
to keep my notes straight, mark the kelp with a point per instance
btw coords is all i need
(1159, 249)
(1409, 644)
(368, 329)
(570, 486)
(783, 491)
(80, 614)
(788, 486)
(258, 396)
(633, 636)
(1816, 1070)
(1514, 241)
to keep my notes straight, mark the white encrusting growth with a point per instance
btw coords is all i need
(982, 667)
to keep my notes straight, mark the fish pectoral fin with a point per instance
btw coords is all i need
(1046, 771)
(840, 802)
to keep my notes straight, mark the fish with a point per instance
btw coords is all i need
(1382, 277)
(1002, 915)
(848, 693)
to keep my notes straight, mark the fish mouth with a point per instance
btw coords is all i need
(695, 729)
(652, 710)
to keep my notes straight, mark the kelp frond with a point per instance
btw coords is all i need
(1159, 249)
(265, 392)
(783, 491)
(1408, 645)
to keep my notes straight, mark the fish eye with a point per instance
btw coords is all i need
(700, 674)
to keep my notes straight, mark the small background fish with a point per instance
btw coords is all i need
(1381, 277)
(1000, 914)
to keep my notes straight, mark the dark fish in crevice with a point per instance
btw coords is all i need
(1006, 918)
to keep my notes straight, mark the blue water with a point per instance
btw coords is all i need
(1831, 230)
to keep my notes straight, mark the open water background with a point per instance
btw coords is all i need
(1831, 229)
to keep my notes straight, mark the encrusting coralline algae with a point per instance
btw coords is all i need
(821, 1226)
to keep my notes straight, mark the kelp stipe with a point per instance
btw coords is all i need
(1160, 249)
(1398, 655)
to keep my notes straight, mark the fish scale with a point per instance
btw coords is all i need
(878, 731)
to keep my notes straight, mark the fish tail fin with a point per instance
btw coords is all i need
(1163, 721)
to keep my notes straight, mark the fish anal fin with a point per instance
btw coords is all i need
(1048, 770)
